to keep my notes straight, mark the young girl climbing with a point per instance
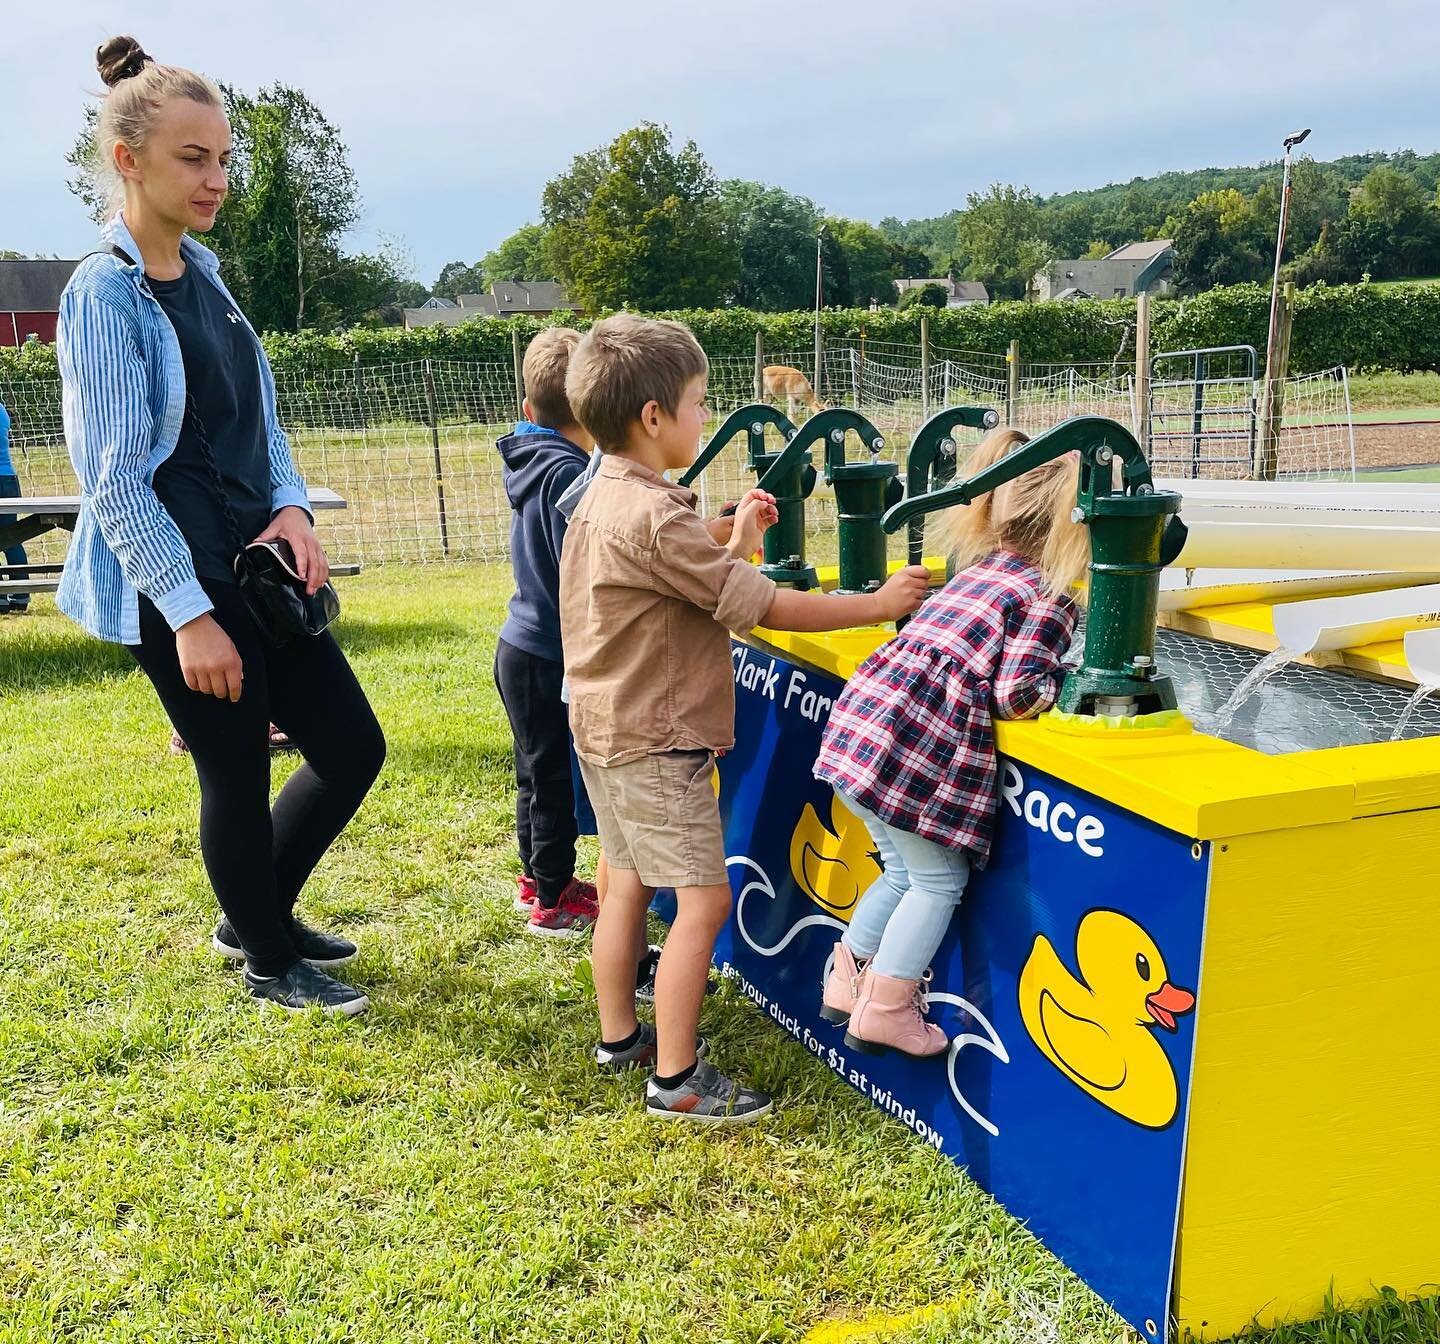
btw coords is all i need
(910, 746)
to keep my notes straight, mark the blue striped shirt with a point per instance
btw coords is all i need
(124, 400)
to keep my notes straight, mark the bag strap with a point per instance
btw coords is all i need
(207, 453)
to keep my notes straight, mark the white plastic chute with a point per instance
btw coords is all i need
(1325, 624)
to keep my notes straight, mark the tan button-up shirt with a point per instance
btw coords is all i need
(646, 599)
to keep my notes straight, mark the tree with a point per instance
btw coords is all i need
(773, 234)
(1002, 234)
(1221, 240)
(871, 261)
(933, 295)
(639, 223)
(457, 278)
(520, 257)
(292, 199)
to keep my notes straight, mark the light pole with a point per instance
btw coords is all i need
(1290, 142)
(819, 290)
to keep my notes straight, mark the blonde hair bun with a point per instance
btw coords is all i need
(120, 58)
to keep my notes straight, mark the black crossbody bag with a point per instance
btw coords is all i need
(272, 588)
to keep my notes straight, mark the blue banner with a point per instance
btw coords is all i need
(1066, 984)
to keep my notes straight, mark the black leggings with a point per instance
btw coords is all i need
(258, 857)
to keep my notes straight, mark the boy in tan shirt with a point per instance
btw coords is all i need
(647, 596)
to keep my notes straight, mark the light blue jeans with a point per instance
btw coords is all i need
(900, 921)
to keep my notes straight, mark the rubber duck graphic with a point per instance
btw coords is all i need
(833, 865)
(1098, 1028)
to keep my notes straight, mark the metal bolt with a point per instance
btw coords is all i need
(1143, 489)
(878, 444)
(757, 428)
(990, 419)
(1077, 515)
(1141, 660)
(837, 436)
(1104, 453)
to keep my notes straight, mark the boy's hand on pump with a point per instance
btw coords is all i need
(902, 592)
(755, 513)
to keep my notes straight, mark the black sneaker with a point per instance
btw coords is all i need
(645, 978)
(706, 1098)
(324, 950)
(642, 1053)
(302, 987)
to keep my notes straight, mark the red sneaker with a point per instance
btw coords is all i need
(572, 916)
(526, 893)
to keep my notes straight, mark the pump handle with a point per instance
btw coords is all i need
(817, 427)
(1098, 441)
(737, 422)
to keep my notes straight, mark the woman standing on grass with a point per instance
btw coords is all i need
(165, 385)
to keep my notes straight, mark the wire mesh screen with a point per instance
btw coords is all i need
(411, 445)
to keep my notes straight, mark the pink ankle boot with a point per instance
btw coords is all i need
(842, 987)
(889, 1014)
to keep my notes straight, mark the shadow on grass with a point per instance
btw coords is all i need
(42, 657)
(359, 634)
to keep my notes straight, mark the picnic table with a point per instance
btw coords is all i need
(36, 515)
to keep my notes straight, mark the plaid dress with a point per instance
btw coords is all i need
(911, 737)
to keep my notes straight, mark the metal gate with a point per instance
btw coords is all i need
(1203, 412)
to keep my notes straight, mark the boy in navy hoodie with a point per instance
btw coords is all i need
(543, 457)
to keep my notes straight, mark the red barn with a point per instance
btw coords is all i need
(30, 298)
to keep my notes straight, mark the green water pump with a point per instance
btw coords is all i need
(791, 485)
(1135, 531)
(863, 491)
(934, 457)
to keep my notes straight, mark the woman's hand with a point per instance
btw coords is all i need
(293, 525)
(209, 659)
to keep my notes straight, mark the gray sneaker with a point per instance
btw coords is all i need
(706, 1098)
(641, 1054)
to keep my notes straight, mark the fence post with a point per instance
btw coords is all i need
(519, 372)
(819, 357)
(1012, 392)
(945, 378)
(860, 375)
(1272, 415)
(1142, 372)
(924, 366)
(435, 446)
(759, 365)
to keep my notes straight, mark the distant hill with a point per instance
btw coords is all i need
(1122, 211)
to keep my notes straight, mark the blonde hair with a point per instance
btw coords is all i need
(139, 87)
(1029, 515)
(547, 361)
(625, 361)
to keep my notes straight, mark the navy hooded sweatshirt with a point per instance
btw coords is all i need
(539, 466)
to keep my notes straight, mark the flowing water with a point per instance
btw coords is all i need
(1258, 675)
(1411, 705)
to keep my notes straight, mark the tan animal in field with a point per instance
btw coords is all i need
(783, 381)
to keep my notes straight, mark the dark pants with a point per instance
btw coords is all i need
(14, 555)
(545, 805)
(258, 856)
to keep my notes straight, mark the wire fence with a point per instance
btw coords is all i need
(411, 445)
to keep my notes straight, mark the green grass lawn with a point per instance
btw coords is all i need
(179, 1166)
(1393, 393)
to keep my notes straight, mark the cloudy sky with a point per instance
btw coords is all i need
(456, 113)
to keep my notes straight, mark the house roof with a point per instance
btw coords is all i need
(33, 286)
(443, 317)
(438, 301)
(1145, 251)
(521, 296)
(483, 302)
(971, 291)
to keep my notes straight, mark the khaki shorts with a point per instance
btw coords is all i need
(659, 816)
